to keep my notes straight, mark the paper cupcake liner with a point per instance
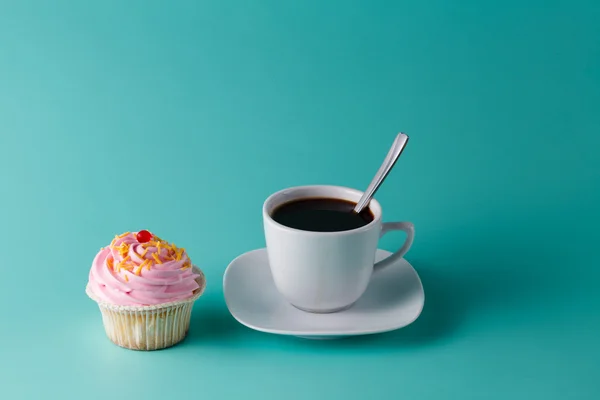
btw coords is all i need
(149, 327)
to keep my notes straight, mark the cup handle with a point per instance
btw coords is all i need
(407, 227)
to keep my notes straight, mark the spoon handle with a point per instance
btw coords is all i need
(388, 163)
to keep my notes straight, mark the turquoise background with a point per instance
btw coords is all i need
(181, 117)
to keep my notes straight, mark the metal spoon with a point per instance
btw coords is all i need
(386, 167)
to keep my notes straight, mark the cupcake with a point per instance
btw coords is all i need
(145, 288)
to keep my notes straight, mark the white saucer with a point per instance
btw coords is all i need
(393, 300)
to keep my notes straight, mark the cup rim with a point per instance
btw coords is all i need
(377, 212)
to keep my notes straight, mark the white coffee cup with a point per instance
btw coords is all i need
(325, 272)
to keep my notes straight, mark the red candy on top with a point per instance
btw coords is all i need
(144, 236)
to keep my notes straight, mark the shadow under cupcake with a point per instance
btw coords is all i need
(145, 288)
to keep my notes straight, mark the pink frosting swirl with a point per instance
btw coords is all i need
(130, 273)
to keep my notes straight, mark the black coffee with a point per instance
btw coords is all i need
(321, 215)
